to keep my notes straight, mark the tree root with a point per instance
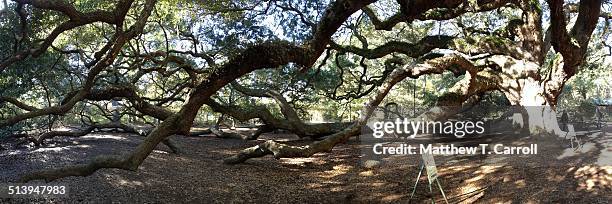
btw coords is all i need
(173, 146)
(52, 134)
(80, 170)
(280, 150)
(79, 133)
(126, 162)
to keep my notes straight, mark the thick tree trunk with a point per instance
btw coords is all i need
(538, 114)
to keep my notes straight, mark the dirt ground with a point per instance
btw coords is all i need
(198, 175)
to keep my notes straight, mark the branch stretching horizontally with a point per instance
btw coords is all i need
(433, 66)
(77, 19)
(18, 103)
(433, 10)
(110, 53)
(259, 56)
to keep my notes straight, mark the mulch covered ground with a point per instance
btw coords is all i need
(198, 175)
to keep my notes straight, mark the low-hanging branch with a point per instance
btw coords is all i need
(39, 139)
(459, 94)
(18, 103)
(260, 56)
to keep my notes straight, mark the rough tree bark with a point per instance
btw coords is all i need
(539, 94)
(518, 52)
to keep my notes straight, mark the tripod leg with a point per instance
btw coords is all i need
(417, 181)
(442, 191)
(433, 201)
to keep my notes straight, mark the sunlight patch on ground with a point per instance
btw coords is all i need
(595, 135)
(594, 177)
(377, 184)
(298, 161)
(314, 185)
(98, 136)
(337, 171)
(456, 161)
(366, 173)
(455, 168)
(160, 152)
(474, 187)
(59, 149)
(474, 179)
(605, 156)
(14, 152)
(336, 189)
(520, 183)
(470, 193)
(223, 152)
(245, 129)
(119, 181)
(487, 169)
(371, 164)
(132, 184)
(569, 152)
(62, 129)
(393, 197)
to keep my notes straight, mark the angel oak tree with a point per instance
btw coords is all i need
(510, 58)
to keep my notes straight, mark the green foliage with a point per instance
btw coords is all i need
(335, 88)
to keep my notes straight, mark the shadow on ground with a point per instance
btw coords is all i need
(197, 175)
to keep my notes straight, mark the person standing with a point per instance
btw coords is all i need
(564, 120)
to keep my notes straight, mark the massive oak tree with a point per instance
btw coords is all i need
(115, 51)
